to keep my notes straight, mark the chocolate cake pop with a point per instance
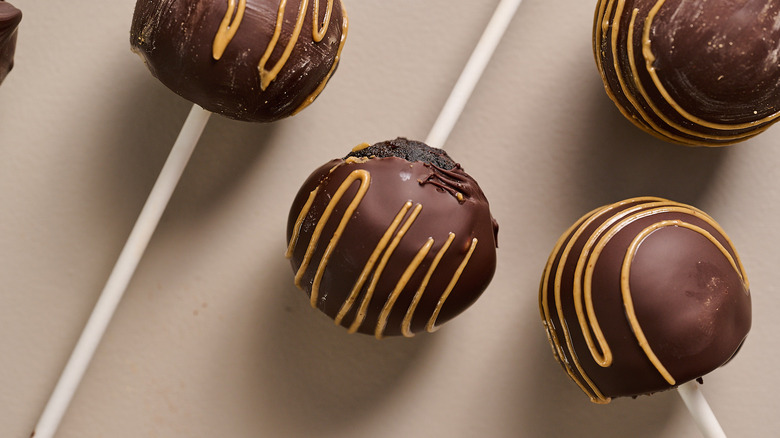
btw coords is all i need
(253, 60)
(9, 22)
(393, 239)
(692, 72)
(643, 295)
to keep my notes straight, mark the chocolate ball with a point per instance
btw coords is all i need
(252, 60)
(9, 22)
(393, 239)
(691, 72)
(643, 295)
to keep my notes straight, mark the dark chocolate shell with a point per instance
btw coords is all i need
(643, 295)
(253, 60)
(386, 244)
(692, 72)
(9, 22)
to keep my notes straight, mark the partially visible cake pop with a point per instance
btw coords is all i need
(393, 239)
(692, 72)
(253, 60)
(643, 295)
(9, 22)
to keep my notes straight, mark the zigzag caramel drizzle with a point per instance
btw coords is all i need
(377, 261)
(232, 21)
(582, 293)
(607, 28)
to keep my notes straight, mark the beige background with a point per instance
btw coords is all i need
(212, 339)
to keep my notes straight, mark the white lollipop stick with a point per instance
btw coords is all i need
(471, 74)
(166, 183)
(122, 273)
(700, 410)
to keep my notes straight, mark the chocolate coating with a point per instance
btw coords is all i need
(418, 244)
(643, 295)
(9, 22)
(187, 45)
(692, 72)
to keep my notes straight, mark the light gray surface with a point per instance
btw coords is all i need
(213, 339)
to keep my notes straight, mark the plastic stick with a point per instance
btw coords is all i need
(700, 410)
(163, 189)
(123, 271)
(471, 74)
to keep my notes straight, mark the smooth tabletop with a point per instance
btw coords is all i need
(212, 339)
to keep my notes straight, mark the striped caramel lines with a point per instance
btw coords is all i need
(377, 261)
(607, 24)
(582, 293)
(610, 30)
(601, 26)
(232, 20)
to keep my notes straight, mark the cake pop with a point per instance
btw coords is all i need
(253, 60)
(691, 72)
(393, 239)
(9, 22)
(643, 295)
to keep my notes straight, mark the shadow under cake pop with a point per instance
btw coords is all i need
(321, 381)
(137, 144)
(226, 154)
(560, 410)
(615, 161)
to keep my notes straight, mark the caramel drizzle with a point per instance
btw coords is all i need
(544, 306)
(228, 27)
(369, 266)
(232, 21)
(266, 76)
(377, 261)
(391, 299)
(573, 234)
(407, 321)
(299, 222)
(610, 29)
(626, 290)
(363, 309)
(650, 58)
(318, 33)
(607, 23)
(358, 175)
(336, 59)
(601, 23)
(638, 84)
(431, 326)
(582, 289)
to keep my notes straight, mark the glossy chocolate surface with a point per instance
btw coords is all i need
(692, 72)
(254, 60)
(9, 22)
(418, 248)
(683, 310)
